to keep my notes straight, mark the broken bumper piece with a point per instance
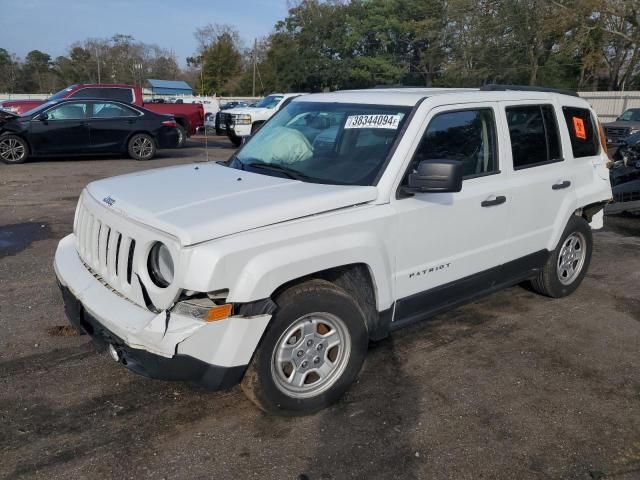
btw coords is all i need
(178, 367)
(157, 345)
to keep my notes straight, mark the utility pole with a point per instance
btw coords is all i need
(98, 60)
(255, 46)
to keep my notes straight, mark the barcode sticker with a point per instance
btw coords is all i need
(373, 121)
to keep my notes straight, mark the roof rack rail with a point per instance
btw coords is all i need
(493, 87)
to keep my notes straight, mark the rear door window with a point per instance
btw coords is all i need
(111, 110)
(582, 130)
(533, 131)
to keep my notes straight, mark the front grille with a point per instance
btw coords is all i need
(616, 133)
(626, 196)
(106, 251)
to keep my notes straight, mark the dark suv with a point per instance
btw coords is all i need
(626, 124)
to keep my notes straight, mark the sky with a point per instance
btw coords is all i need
(52, 25)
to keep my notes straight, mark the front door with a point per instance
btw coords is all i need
(445, 241)
(64, 129)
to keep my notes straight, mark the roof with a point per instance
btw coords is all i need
(169, 86)
(411, 96)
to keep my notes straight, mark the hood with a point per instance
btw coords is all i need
(622, 124)
(6, 117)
(201, 202)
(248, 110)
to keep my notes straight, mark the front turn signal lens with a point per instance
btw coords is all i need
(219, 312)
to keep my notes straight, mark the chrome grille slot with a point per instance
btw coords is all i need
(132, 250)
(112, 247)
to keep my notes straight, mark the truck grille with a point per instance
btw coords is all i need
(626, 197)
(616, 134)
(106, 251)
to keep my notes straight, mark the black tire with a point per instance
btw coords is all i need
(141, 147)
(182, 136)
(552, 281)
(321, 298)
(13, 149)
(236, 140)
(255, 127)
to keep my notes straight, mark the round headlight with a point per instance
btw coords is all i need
(160, 265)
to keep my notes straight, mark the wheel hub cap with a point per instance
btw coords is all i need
(11, 149)
(571, 258)
(142, 147)
(311, 355)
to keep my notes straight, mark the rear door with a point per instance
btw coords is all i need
(110, 125)
(543, 182)
(64, 130)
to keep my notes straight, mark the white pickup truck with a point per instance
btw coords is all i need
(349, 215)
(241, 122)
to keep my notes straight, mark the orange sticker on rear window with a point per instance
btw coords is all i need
(578, 127)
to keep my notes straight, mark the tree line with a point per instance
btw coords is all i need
(338, 44)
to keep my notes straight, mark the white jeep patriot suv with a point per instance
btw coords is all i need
(348, 215)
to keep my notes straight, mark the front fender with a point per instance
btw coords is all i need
(265, 272)
(252, 265)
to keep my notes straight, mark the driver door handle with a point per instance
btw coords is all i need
(561, 185)
(496, 201)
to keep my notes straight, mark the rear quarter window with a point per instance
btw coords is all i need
(582, 131)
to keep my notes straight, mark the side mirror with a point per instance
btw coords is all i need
(436, 176)
(43, 117)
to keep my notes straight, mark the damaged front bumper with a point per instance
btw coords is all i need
(157, 345)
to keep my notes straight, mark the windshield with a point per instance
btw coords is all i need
(59, 95)
(39, 108)
(334, 143)
(270, 101)
(632, 115)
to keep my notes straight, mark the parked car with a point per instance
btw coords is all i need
(625, 177)
(221, 128)
(85, 126)
(347, 216)
(241, 122)
(189, 117)
(625, 125)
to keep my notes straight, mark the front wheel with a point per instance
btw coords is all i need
(311, 353)
(568, 263)
(236, 140)
(142, 147)
(13, 149)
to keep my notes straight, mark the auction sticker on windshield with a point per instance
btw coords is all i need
(373, 121)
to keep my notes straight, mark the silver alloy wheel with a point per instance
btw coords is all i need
(311, 355)
(142, 147)
(11, 150)
(571, 258)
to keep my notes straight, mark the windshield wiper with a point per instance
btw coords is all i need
(289, 172)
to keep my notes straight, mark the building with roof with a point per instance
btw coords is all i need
(168, 87)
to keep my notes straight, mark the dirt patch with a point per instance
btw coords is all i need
(61, 331)
(628, 305)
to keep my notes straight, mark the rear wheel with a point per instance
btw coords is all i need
(311, 353)
(13, 149)
(142, 147)
(182, 136)
(568, 263)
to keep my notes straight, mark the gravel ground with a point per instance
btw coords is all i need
(514, 386)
